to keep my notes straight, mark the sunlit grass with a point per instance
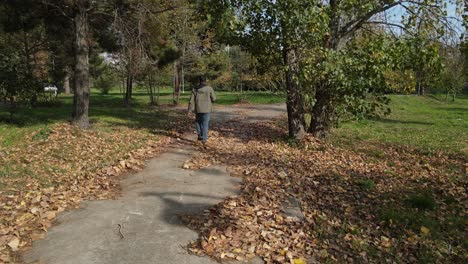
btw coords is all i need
(427, 123)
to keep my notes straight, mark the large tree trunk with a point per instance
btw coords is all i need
(323, 112)
(81, 97)
(294, 102)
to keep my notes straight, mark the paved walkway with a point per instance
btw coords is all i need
(143, 226)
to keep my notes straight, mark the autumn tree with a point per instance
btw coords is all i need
(279, 30)
(290, 31)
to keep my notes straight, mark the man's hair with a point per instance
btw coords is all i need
(202, 79)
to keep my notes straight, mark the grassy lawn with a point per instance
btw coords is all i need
(109, 109)
(426, 123)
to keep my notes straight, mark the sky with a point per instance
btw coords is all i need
(394, 15)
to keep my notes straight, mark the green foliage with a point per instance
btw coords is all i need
(18, 83)
(423, 201)
(354, 76)
(103, 73)
(24, 59)
(351, 68)
(105, 82)
(366, 185)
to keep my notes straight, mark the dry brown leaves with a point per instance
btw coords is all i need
(341, 218)
(50, 175)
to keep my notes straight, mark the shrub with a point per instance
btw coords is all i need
(105, 82)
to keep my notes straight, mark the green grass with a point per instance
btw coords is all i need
(366, 184)
(408, 218)
(223, 97)
(427, 123)
(109, 109)
(423, 201)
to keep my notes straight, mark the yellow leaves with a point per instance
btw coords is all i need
(385, 242)
(425, 230)
(298, 261)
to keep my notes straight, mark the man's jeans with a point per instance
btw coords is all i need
(201, 122)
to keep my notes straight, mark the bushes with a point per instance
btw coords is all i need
(105, 82)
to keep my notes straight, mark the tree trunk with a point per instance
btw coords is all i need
(128, 90)
(158, 102)
(81, 96)
(177, 81)
(151, 89)
(323, 113)
(419, 88)
(66, 83)
(294, 103)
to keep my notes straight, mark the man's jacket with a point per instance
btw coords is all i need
(201, 100)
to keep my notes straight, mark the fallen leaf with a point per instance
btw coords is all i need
(14, 243)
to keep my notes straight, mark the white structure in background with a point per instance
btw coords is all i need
(51, 89)
(109, 58)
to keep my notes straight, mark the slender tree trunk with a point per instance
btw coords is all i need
(151, 89)
(128, 90)
(177, 81)
(158, 102)
(66, 83)
(81, 96)
(296, 118)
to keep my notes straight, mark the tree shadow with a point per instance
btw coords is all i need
(404, 122)
(177, 204)
(103, 110)
(460, 110)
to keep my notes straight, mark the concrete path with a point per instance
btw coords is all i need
(143, 225)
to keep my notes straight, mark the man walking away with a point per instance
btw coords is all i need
(201, 103)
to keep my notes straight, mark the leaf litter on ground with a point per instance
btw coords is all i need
(46, 176)
(345, 195)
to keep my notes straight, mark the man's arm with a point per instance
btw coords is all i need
(212, 95)
(191, 106)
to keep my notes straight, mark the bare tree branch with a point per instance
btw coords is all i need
(56, 7)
